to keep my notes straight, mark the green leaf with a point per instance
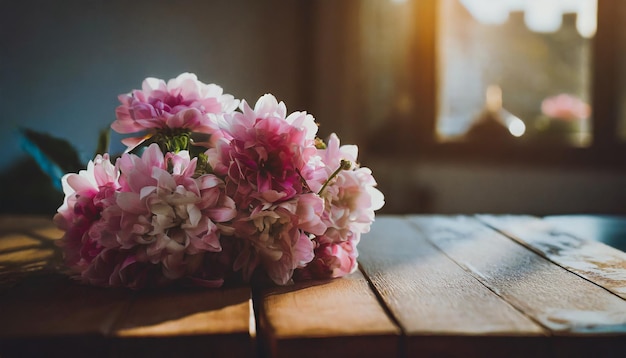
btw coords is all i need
(54, 156)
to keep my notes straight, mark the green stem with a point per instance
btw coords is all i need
(344, 165)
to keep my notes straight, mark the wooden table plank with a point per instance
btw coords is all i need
(49, 315)
(27, 245)
(453, 285)
(608, 229)
(187, 322)
(567, 304)
(43, 313)
(332, 318)
(568, 247)
(442, 309)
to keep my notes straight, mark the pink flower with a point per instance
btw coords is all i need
(261, 201)
(171, 214)
(331, 260)
(183, 103)
(133, 269)
(264, 152)
(351, 197)
(566, 107)
(351, 202)
(212, 269)
(141, 225)
(277, 237)
(123, 268)
(87, 195)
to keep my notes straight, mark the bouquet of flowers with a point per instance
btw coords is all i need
(212, 190)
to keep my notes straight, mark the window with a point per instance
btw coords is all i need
(516, 69)
(383, 80)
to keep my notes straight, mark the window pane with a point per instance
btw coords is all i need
(517, 70)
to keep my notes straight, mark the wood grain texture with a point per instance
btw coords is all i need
(565, 303)
(50, 315)
(567, 246)
(27, 245)
(326, 318)
(608, 229)
(189, 322)
(44, 313)
(433, 286)
(438, 304)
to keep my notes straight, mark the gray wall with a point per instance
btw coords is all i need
(457, 188)
(63, 63)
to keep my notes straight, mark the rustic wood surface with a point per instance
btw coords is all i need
(195, 322)
(44, 313)
(27, 245)
(49, 315)
(608, 229)
(571, 246)
(326, 318)
(564, 303)
(430, 295)
(466, 286)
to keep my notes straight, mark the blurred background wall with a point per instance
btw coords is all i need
(63, 63)
(353, 64)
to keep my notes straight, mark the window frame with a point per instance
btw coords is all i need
(606, 150)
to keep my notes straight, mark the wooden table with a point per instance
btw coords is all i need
(428, 286)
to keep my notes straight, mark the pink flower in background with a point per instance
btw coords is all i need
(183, 103)
(87, 195)
(565, 107)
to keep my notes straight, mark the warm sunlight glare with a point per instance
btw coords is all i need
(539, 15)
